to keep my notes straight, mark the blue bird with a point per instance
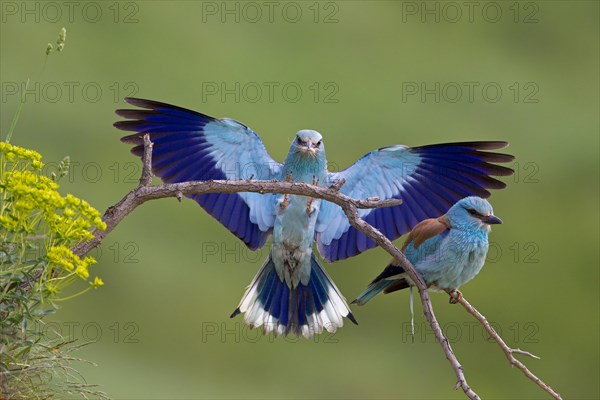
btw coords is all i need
(447, 251)
(292, 294)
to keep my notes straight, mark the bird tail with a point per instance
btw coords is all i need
(371, 291)
(304, 310)
(391, 279)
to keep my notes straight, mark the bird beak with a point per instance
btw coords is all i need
(491, 220)
(307, 147)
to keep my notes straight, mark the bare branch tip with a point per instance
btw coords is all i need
(524, 353)
(146, 177)
(337, 185)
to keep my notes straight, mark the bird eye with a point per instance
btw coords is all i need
(300, 141)
(472, 211)
(319, 142)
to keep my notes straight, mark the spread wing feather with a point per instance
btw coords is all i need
(189, 146)
(428, 179)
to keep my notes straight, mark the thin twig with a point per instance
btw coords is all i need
(508, 351)
(146, 177)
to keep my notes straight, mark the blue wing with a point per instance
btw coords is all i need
(189, 146)
(428, 179)
(394, 278)
(430, 247)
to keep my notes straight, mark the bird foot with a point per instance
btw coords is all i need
(286, 200)
(309, 202)
(309, 205)
(286, 197)
(455, 296)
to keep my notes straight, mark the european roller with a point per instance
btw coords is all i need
(292, 294)
(448, 251)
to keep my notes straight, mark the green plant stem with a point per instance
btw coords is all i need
(13, 124)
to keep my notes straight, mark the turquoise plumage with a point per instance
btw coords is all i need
(447, 251)
(292, 294)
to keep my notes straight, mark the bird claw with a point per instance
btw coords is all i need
(285, 201)
(455, 296)
(309, 202)
(286, 197)
(309, 205)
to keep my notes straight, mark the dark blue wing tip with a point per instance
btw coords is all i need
(470, 150)
(156, 118)
(153, 107)
(235, 313)
(128, 125)
(153, 104)
(350, 316)
(475, 145)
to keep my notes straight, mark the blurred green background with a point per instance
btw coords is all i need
(367, 75)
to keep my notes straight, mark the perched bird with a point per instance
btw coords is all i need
(292, 294)
(447, 251)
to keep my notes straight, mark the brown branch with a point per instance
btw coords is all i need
(508, 351)
(144, 192)
(141, 194)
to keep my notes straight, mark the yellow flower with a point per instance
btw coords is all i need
(31, 204)
(72, 200)
(82, 272)
(15, 152)
(63, 257)
(97, 282)
(99, 223)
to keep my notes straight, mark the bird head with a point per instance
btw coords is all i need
(308, 143)
(472, 213)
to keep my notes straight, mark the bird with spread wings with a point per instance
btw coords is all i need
(292, 294)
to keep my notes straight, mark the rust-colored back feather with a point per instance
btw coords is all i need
(426, 229)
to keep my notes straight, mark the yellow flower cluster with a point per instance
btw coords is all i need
(69, 218)
(74, 221)
(63, 257)
(30, 204)
(16, 153)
